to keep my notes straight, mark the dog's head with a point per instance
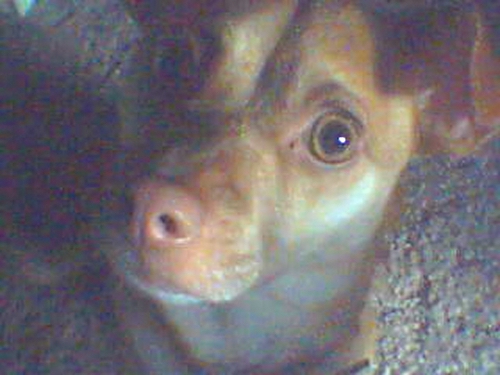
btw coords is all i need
(284, 128)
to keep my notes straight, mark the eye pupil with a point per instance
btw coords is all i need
(333, 137)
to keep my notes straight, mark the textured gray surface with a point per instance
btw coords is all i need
(439, 294)
(97, 35)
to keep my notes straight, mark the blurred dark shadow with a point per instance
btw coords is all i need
(56, 140)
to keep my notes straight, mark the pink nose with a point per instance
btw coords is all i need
(165, 216)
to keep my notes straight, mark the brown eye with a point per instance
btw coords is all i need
(334, 137)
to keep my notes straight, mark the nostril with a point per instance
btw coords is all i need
(170, 226)
(169, 229)
(174, 229)
(165, 216)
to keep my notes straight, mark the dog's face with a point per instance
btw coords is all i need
(255, 232)
(308, 151)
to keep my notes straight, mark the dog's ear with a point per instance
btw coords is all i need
(485, 75)
(443, 53)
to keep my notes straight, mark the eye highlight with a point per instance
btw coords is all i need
(335, 136)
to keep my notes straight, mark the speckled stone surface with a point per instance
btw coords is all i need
(439, 295)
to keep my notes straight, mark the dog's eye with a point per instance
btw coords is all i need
(334, 136)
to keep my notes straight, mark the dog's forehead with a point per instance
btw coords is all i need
(247, 40)
(337, 45)
(284, 29)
